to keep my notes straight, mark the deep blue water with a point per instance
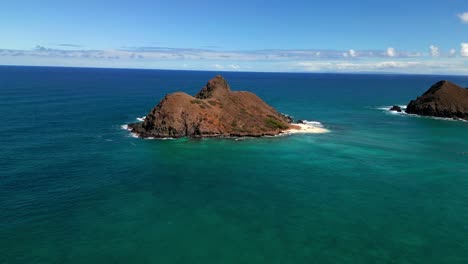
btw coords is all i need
(76, 188)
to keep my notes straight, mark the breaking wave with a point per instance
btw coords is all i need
(403, 109)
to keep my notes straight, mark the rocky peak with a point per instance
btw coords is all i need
(440, 86)
(215, 87)
(443, 99)
(215, 111)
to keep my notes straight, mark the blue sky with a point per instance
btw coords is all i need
(317, 36)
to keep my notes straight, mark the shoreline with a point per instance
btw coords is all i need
(294, 128)
(386, 109)
(307, 128)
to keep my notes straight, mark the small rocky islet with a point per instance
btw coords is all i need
(215, 111)
(444, 99)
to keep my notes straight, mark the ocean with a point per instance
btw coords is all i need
(77, 188)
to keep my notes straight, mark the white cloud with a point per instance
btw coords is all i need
(464, 17)
(384, 60)
(361, 66)
(215, 56)
(434, 51)
(452, 52)
(450, 66)
(464, 49)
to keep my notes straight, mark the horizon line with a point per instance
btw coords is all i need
(234, 71)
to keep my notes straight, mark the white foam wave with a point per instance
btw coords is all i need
(312, 123)
(153, 138)
(126, 127)
(386, 108)
(403, 108)
(306, 127)
(141, 119)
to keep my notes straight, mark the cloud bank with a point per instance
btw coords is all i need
(434, 60)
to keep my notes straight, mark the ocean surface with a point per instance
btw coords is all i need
(76, 188)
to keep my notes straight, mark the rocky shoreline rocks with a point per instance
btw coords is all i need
(396, 108)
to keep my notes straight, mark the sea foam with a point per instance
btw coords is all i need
(125, 127)
(307, 127)
(403, 113)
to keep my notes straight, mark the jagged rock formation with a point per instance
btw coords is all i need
(443, 99)
(215, 111)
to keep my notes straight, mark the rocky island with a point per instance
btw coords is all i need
(215, 111)
(443, 99)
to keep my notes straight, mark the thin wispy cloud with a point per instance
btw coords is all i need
(69, 45)
(234, 67)
(445, 67)
(452, 52)
(168, 53)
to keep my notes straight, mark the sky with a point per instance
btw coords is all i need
(400, 36)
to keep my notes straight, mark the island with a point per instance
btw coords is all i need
(444, 99)
(216, 111)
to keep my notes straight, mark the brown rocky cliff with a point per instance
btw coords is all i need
(443, 99)
(214, 111)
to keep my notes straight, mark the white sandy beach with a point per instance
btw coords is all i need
(307, 128)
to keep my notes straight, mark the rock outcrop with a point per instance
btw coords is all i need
(443, 99)
(215, 111)
(396, 108)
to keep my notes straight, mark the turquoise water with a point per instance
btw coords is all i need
(76, 188)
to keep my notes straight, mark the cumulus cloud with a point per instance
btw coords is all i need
(352, 53)
(218, 67)
(463, 17)
(464, 49)
(434, 51)
(391, 52)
